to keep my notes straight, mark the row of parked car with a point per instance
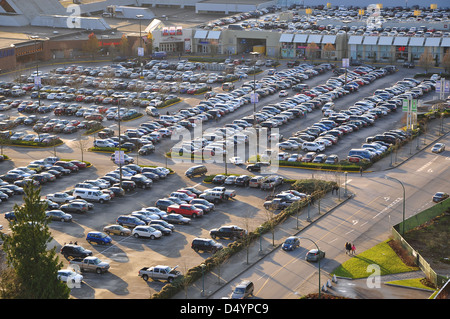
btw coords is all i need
(237, 132)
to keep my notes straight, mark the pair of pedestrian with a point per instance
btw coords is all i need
(349, 248)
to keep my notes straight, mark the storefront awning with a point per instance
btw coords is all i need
(329, 39)
(300, 38)
(416, 42)
(200, 34)
(403, 41)
(432, 42)
(370, 40)
(316, 38)
(215, 35)
(445, 42)
(286, 37)
(355, 39)
(385, 40)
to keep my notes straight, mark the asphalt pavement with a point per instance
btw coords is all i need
(213, 282)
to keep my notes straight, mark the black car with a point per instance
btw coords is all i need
(231, 232)
(165, 231)
(409, 65)
(162, 204)
(206, 245)
(75, 251)
(242, 180)
(257, 166)
(126, 185)
(162, 223)
(142, 181)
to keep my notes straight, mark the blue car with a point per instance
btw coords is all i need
(291, 243)
(98, 238)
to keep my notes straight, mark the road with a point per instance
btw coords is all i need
(365, 220)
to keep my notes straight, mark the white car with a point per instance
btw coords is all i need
(146, 231)
(60, 197)
(69, 276)
(236, 160)
(312, 147)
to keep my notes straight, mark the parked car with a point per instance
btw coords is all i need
(146, 231)
(57, 214)
(72, 251)
(69, 276)
(206, 245)
(98, 238)
(232, 232)
(117, 230)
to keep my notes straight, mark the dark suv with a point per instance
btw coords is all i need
(75, 251)
(142, 181)
(129, 221)
(206, 245)
(232, 232)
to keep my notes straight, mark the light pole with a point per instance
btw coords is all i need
(345, 183)
(37, 78)
(404, 201)
(139, 16)
(318, 251)
(203, 278)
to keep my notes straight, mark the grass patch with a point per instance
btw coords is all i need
(411, 283)
(382, 255)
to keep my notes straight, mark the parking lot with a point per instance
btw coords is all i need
(129, 254)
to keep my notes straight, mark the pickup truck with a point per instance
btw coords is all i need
(159, 273)
(276, 204)
(185, 210)
(91, 264)
(227, 193)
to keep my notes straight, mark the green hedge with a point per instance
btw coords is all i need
(106, 149)
(169, 102)
(56, 142)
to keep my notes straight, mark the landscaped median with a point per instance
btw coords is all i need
(317, 189)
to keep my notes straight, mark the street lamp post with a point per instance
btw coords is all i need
(140, 16)
(404, 201)
(203, 278)
(318, 251)
(37, 77)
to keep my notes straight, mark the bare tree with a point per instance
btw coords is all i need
(426, 60)
(82, 145)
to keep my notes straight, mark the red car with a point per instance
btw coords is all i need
(79, 164)
(70, 166)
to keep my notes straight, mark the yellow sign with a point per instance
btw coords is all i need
(417, 13)
(308, 11)
(150, 36)
(379, 5)
(361, 12)
(433, 6)
(329, 5)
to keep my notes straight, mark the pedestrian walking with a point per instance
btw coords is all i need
(353, 249)
(347, 248)
(360, 170)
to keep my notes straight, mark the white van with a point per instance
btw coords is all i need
(94, 195)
